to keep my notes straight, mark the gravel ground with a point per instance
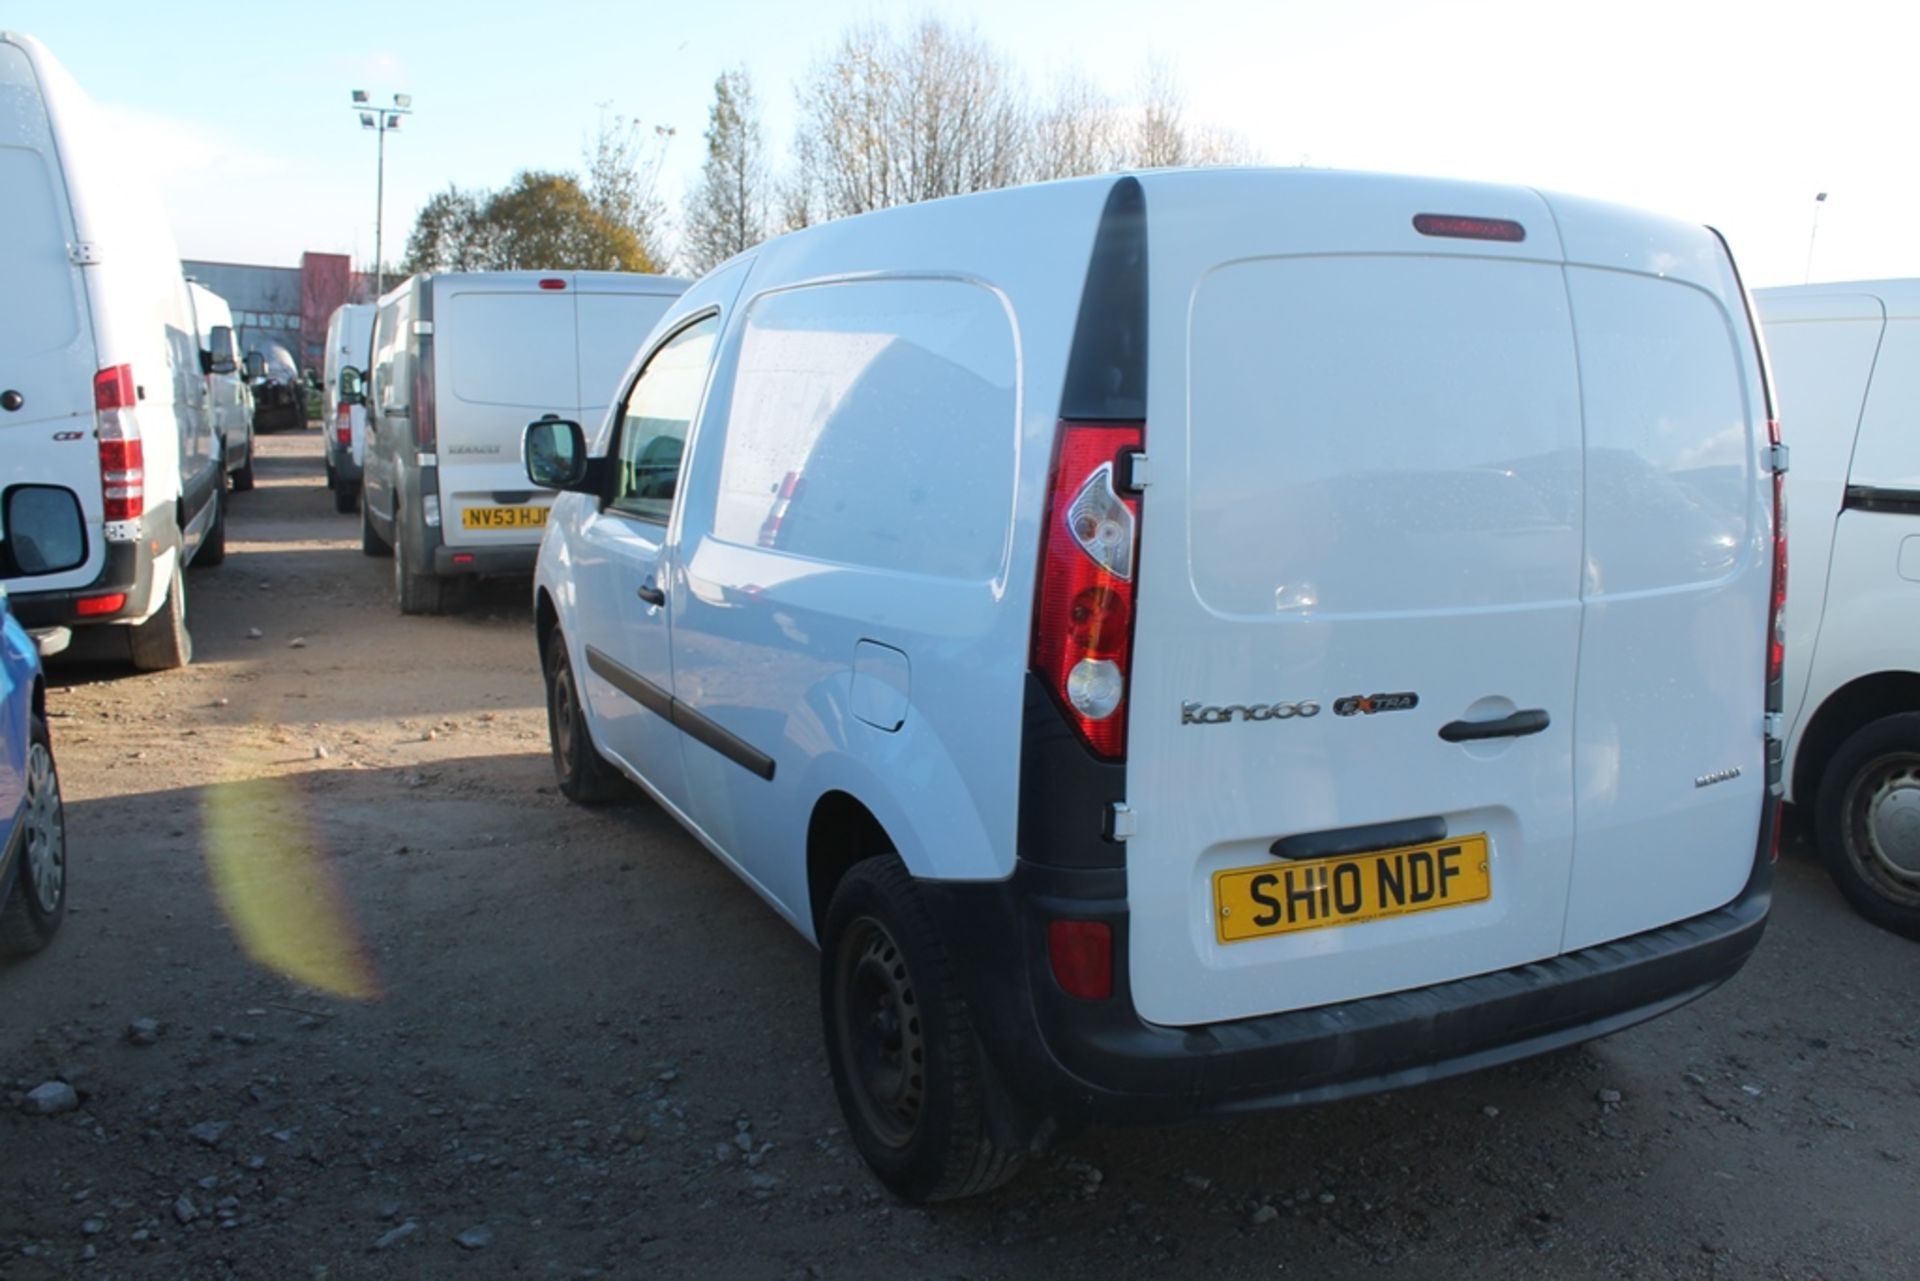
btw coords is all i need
(349, 991)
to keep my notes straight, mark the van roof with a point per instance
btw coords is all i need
(623, 281)
(1841, 299)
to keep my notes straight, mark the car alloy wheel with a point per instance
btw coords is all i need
(46, 836)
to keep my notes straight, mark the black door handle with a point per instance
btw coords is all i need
(651, 594)
(1518, 725)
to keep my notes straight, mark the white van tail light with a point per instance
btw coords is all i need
(1777, 607)
(123, 474)
(1083, 609)
(343, 423)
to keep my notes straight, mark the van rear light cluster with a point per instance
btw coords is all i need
(123, 472)
(1083, 608)
(343, 424)
(425, 429)
(1777, 605)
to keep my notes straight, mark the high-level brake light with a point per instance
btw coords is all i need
(1459, 227)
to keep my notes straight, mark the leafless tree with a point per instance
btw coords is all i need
(1077, 131)
(888, 120)
(728, 210)
(623, 161)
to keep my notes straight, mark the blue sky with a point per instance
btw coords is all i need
(1729, 114)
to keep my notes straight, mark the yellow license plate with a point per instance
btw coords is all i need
(503, 517)
(1316, 894)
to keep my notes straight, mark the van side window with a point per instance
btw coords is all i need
(867, 414)
(654, 419)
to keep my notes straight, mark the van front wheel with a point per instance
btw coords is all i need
(906, 1061)
(584, 775)
(1868, 822)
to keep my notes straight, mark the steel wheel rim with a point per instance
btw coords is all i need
(881, 1035)
(1883, 826)
(45, 832)
(563, 710)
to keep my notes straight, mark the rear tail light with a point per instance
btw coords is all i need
(425, 431)
(1081, 953)
(343, 424)
(95, 606)
(123, 473)
(1777, 607)
(1083, 608)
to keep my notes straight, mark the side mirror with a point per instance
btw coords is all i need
(352, 389)
(256, 366)
(41, 531)
(221, 339)
(554, 451)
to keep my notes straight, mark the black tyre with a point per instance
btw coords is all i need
(1868, 822)
(346, 495)
(32, 913)
(584, 775)
(163, 642)
(213, 548)
(416, 592)
(332, 476)
(371, 544)
(243, 477)
(906, 1062)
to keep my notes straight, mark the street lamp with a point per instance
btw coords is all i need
(1812, 235)
(380, 120)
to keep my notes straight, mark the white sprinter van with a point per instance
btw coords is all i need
(102, 390)
(1192, 642)
(1847, 358)
(460, 362)
(343, 383)
(231, 399)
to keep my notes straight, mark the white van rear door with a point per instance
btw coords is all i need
(46, 345)
(504, 355)
(1362, 527)
(1669, 754)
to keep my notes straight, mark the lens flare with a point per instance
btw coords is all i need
(274, 882)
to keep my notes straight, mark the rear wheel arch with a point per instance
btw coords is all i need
(1859, 702)
(840, 833)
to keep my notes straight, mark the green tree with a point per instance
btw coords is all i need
(728, 211)
(450, 234)
(545, 221)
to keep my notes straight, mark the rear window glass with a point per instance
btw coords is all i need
(612, 328)
(507, 348)
(1670, 451)
(873, 424)
(33, 225)
(1381, 433)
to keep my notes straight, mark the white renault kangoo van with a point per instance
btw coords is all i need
(1191, 642)
(1847, 360)
(344, 401)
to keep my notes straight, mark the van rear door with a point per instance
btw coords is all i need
(1359, 596)
(1670, 773)
(46, 344)
(504, 354)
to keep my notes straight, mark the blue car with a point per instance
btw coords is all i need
(40, 533)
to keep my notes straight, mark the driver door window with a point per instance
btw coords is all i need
(654, 421)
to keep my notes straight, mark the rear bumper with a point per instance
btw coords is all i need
(485, 560)
(1098, 1060)
(128, 569)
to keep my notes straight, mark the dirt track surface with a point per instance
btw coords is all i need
(589, 1051)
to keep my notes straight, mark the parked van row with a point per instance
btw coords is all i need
(116, 378)
(1178, 644)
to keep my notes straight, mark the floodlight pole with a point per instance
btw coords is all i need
(380, 119)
